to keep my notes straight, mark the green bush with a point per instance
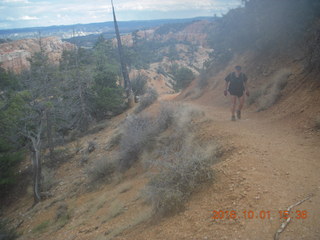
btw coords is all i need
(182, 77)
(139, 84)
(41, 227)
(8, 163)
(107, 100)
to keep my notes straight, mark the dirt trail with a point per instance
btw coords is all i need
(271, 166)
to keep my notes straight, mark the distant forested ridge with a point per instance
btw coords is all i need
(92, 29)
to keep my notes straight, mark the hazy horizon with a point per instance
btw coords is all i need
(104, 22)
(40, 13)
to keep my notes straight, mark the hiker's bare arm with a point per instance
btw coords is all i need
(246, 88)
(225, 92)
(226, 86)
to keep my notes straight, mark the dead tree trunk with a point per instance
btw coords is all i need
(124, 70)
(35, 139)
(45, 83)
(49, 134)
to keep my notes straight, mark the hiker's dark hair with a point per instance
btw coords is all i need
(237, 67)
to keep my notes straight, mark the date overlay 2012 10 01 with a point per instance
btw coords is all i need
(263, 214)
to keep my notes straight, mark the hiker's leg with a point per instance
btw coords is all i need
(241, 102)
(233, 104)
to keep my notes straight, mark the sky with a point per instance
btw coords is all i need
(34, 13)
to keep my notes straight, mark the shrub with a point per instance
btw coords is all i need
(272, 93)
(116, 208)
(58, 157)
(183, 165)
(41, 227)
(182, 77)
(8, 163)
(48, 179)
(62, 215)
(140, 131)
(254, 96)
(107, 100)
(167, 113)
(138, 134)
(7, 233)
(161, 70)
(102, 169)
(114, 140)
(150, 97)
(139, 84)
(92, 145)
(203, 79)
(180, 173)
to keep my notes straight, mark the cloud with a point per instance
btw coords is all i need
(15, 1)
(21, 13)
(23, 18)
(173, 5)
(28, 18)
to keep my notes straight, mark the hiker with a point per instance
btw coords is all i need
(236, 85)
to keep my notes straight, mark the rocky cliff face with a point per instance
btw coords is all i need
(193, 33)
(14, 55)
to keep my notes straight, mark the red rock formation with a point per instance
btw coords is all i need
(14, 55)
(194, 33)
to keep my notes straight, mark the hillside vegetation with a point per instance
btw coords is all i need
(102, 169)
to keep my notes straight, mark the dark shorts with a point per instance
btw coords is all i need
(236, 93)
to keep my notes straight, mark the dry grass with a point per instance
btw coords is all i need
(140, 131)
(269, 94)
(125, 188)
(58, 157)
(48, 179)
(42, 227)
(167, 114)
(254, 96)
(272, 92)
(62, 215)
(116, 208)
(145, 101)
(138, 134)
(102, 169)
(114, 140)
(182, 167)
(133, 222)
